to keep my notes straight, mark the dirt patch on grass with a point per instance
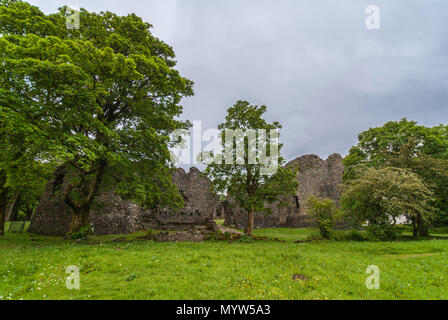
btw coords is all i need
(8, 246)
(299, 277)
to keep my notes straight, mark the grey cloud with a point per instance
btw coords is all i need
(322, 74)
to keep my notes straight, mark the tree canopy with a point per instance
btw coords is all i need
(247, 178)
(381, 196)
(405, 144)
(100, 100)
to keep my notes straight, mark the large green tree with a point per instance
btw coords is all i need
(405, 144)
(242, 171)
(104, 97)
(22, 173)
(433, 171)
(381, 196)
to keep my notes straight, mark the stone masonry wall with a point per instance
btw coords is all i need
(321, 178)
(317, 177)
(118, 216)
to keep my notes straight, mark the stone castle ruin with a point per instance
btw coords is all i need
(317, 177)
(118, 216)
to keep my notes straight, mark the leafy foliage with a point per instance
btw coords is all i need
(325, 212)
(81, 234)
(433, 171)
(380, 196)
(100, 101)
(243, 180)
(404, 144)
(22, 173)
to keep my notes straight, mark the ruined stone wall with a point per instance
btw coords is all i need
(53, 215)
(200, 202)
(118, 216)
(317, 177)
(321, 178)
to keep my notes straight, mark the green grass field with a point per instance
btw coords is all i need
(33, 267)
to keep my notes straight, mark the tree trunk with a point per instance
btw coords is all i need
(29, 213)
(12, 208)
(80, 218)
(414, 229)
(422, 227)
(250, 222)
(2, 222)
(88, 188)
(3, 206)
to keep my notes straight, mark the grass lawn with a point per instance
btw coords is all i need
(33, 267)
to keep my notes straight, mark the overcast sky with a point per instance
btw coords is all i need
(323, 75)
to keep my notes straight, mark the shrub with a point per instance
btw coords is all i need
(381, 196)
(356, 235)
(350, 235)
(325, 212)
(385, 232)
(81, 234)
